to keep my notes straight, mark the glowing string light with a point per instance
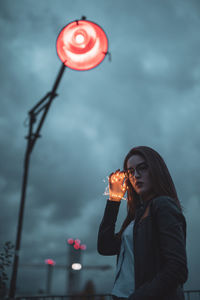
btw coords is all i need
(106, 192)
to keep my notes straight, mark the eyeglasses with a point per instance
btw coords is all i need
(140, 169)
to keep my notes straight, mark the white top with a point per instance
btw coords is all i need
(124, 284)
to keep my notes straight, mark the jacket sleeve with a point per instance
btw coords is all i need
(171, 230)
(108, 242)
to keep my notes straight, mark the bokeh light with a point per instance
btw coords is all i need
(50, 262)
(70, 241)
(76, 266)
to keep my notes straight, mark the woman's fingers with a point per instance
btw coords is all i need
(113, 176)
(117, 184)
(125, 184)
(116, 176)
(110, 178)
(110, 175)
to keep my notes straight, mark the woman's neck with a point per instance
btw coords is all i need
(146, 198)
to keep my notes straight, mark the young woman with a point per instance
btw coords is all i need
(151, 244)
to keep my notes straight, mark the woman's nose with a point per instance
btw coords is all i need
(136, 174)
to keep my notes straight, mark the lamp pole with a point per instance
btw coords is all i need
(42, 105)
(80, 50)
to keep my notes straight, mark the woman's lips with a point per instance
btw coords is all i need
(139, 184)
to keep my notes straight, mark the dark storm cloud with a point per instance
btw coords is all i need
(148, 94)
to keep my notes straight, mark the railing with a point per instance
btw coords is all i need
(192, 295)
(189, 295)
(68, 297)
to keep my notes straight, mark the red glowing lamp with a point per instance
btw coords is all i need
(77, 241)
(50, 262)
(76, 246)
(70, 241)
(82, 45)
(83, 247)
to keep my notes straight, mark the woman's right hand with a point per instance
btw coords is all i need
(117, 185)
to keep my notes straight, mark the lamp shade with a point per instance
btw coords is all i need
(82, 45)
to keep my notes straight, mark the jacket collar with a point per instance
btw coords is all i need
(140, 208)
(143, 204)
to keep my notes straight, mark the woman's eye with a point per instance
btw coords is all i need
(143, 167)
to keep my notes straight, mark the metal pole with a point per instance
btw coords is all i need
(49, 278)
(74, 276)
(20, 223)
(31, 141)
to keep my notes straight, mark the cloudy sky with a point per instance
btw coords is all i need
(149, 94)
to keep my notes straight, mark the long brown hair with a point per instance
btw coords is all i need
(161, 180)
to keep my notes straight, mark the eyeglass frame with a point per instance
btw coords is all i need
(139, 168)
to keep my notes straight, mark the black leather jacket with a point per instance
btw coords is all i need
(160, 261)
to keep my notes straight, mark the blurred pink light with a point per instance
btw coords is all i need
(50, 262)
(82, 45)
(70, 241)
(77, 241)
(76, 246)
(83, 247)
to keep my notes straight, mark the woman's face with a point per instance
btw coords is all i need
(139, 176)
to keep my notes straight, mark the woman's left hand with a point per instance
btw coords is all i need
(117, 185)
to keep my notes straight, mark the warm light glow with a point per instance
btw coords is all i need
(76, 266)
(50, 262)
(82, 45)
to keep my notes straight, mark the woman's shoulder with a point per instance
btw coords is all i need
(165, 203)
(167, 212)
(161, 201)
